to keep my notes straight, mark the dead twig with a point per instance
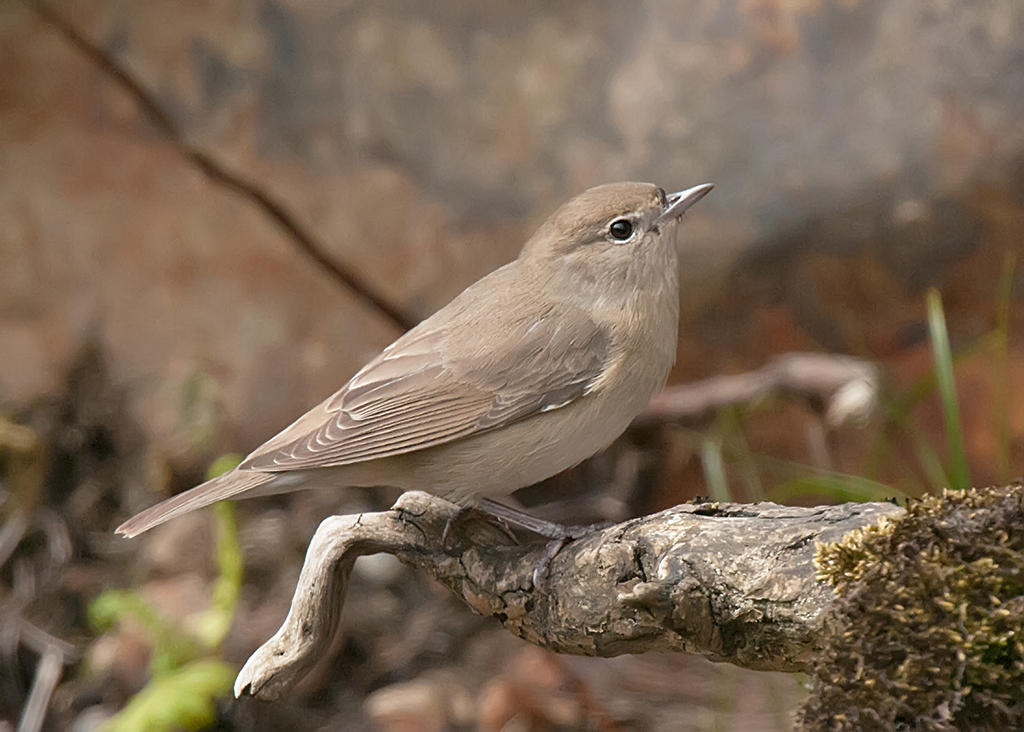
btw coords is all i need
(847, 386)
(47, 675)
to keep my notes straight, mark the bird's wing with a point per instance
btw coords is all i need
(416, 394)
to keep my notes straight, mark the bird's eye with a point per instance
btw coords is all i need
(621, 229)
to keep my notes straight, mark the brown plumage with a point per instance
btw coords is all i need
(527, 372)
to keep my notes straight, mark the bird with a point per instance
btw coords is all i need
(529, 371)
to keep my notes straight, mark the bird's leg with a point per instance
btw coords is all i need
(465, 515)
(547, 529)
(559, 534)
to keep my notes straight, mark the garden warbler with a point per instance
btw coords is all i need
(527, 372)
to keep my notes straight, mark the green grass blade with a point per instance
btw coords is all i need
(959, 472)
(900, 407)
(799, 479)
(735, 442)
(837, 486)
(714, 469)
(928, 459)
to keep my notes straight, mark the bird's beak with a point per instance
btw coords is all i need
(677, 203)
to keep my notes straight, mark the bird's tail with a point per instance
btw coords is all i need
(230, 485)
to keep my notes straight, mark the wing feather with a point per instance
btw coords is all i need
(417, 394)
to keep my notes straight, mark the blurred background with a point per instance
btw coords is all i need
(212, 214)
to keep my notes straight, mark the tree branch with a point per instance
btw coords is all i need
(732, 582)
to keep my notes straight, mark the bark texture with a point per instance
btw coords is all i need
(731, 582)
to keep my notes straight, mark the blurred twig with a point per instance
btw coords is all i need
(47, 675)
(303, 239)
(847, 386)
(22, 467)
(53, 654)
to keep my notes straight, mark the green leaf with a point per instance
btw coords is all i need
(181, 700)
